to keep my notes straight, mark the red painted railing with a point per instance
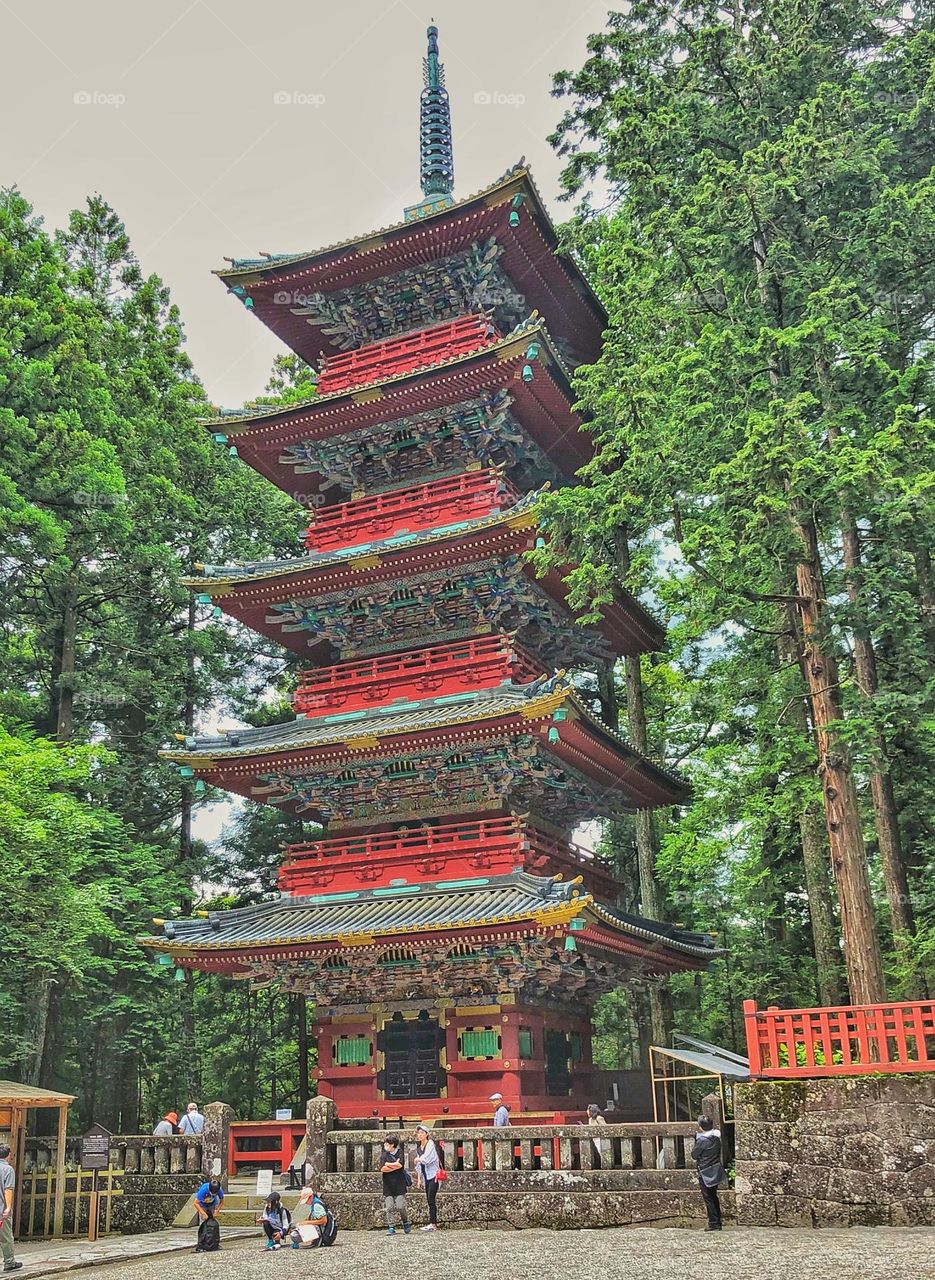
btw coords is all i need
(851, 1040)
(435, 671)
(423, 506)
(261, 1143)
(453, 850)
(380, 360)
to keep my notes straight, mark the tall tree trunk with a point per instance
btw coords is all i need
(885, 818)
(64, 686)
(812, 836)
(925, 580)
(647, 841)
(301, 1010)
(607, 692)
(842, 814)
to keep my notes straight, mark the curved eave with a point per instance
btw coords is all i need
(626, 626)
(350, 734)
(532, 921)
(511, 345)
(591, 749)
(543, 407)
(607, 921)
(565, 295)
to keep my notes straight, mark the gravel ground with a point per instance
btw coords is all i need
(646, 1254)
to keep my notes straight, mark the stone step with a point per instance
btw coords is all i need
(238, 1218)
(237, 1209)
(357, 1211)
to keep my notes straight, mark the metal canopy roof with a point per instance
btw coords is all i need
(709, 1058)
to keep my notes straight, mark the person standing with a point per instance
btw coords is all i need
(167, 1126)
(428, 1163)
(192, 1124)
(395, 1183)
(595, 1118)
(7, 1189)
(706, 1153)
(501, 1117)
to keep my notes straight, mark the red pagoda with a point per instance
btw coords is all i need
(452, 935)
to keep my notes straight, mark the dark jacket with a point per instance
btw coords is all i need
(394, 1183)
(706, 1154)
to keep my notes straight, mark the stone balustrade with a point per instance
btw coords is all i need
(129, 1153)
(530, 1148)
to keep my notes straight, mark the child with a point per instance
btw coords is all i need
(706, 1154)
(276, 1220)
(395, 1183)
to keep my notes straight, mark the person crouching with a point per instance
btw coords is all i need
(276, 1221)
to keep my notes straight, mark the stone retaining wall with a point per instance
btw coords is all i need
(570, 1209)
(832, 1153)
(151, 1203)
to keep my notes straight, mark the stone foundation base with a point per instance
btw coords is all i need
(568, 1210)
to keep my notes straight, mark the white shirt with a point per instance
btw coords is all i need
(192, 1123)
(501, 1117)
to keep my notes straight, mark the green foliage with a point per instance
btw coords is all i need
(764, 259)
(111, 491)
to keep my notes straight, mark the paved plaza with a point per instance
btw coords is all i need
(642, 1254)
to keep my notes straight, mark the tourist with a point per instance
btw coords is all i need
(395, 1184)
(318, 1227)
(7, 1188)
(600, 1147)
(501, 1117)
(706, 1154)
(276, 1221)
(167, 1126)
(428, 1162)
(192, 1124)
(208, 1199)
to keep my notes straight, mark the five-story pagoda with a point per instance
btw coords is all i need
(453, 937)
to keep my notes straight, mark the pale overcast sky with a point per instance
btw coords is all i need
(174, 112)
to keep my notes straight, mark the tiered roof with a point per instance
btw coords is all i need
(503, 932)
(470, 252)
(293, 445)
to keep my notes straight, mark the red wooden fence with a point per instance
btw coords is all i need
(852, 1040)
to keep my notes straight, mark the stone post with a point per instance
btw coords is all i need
(711, 1106)
(216, 1140)
(321, 1117)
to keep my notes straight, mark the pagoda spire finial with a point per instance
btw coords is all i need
(435, 146)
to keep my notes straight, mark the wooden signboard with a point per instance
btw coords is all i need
(95, 1147)
(95, 1155)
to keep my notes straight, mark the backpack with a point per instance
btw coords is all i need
(329, 1231)
(209, 1236)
